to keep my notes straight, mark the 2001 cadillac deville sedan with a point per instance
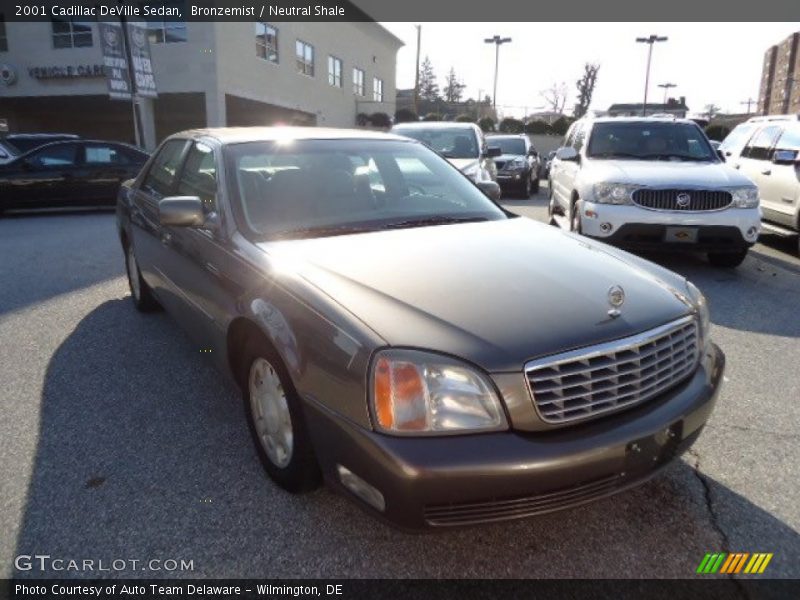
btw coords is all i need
(393, 330)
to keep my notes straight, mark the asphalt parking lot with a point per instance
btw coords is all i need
(120, 441)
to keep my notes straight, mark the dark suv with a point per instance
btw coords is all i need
(518, 165)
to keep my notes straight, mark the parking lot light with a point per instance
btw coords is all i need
(652, 39)
(497, 41)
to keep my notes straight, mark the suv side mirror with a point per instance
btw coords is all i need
(490, 189)
(721, 154)
(533, 153)
(785, 157)
(567, 153)
(493, 151)
(181, 211)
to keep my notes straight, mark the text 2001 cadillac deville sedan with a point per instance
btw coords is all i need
(392, 329)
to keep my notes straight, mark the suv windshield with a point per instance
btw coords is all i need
(312, 188)
(649, 140)
(451, 142)
(508, 145)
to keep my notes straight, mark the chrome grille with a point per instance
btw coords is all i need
(698, 200)
(588, 382)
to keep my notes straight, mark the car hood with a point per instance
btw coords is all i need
(495, 293)
(653, 173)
(507, 157)
(463, 164)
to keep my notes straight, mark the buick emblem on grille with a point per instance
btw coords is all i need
(683, 200)
(616, 298)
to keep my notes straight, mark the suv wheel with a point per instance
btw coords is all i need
(727, 260)
(525, 188)
(141, 293)
(535, 186)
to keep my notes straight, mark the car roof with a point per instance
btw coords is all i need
(82, 141)
(434, 125)
(236, 135)
(664, 119)
(769, 118)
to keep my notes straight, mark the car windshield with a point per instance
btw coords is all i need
(451, 142)
(508, 145)
(315, 188)
(649, 140)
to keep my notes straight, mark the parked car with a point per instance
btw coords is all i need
(518, 165)
(767, 150)
(463, 144)
(547, 164)
(71, 173)
(653, 183)
(343, 280)
(25, 142)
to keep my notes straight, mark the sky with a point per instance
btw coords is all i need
(711, 63)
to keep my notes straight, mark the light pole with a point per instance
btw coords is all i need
(497, 41)
(666, 87)
(416, 77)
(649, 41)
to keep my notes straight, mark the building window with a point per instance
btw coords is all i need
(3, 35)
(377, 90)
(167, 31)
(334, 71)
(267, 42)
(358, 82)
(305, 58)
(70, 33)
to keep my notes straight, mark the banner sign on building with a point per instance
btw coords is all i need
(115, 61)
(140, 56)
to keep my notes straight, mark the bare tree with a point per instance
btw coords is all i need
(555, 96)
(453, 88)
(710, 111)
(585, 87)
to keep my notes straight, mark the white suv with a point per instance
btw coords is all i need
(652, 184)
(767, 150)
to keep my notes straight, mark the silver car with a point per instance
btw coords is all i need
(393, 331)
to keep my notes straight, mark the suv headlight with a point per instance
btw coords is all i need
(700, 304)
(516, 164)
(745, 197)
(414, 392)
(614, 193)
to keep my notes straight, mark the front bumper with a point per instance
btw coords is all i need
(731, 229)
(468, 479)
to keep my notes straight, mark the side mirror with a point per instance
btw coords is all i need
(533, 153)
(490, 189)
(567, 153)
(721, 154)
(785, 157)
(493, 151)
(181, 211)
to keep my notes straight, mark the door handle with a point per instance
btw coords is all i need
(166, 238)
(736, 166)
(766, 172)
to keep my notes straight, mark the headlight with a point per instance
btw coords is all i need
(516, 164)
(745, 197)
(414, 392)
(614, 193)
(703, 316)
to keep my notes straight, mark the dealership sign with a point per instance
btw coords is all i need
(121, 82)
(115, 62)
(66, 71)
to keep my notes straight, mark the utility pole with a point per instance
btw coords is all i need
(497, 41)
(416, 77)
(666, 87)
(749, 102)
(649, 41)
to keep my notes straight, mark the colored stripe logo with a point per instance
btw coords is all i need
(736, 562)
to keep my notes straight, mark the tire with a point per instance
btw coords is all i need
(276, 421)
(575, 219)
(525, 188)
(535, 186)
(727, 260)
(141, 294)
(551, 211)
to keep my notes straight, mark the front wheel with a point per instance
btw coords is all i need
(141, 294)
(535, 186)
(276, 422)
(575, 218)
(525, 188)
(727, 260)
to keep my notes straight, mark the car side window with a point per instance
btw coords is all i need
(738, 137)
(161, 176)
(579, 137)
(199, 176)
(56, 156)
(790, 138)
(570, 137)
(760, 145)
(98, 154)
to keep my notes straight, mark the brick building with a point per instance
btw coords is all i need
(779, 93)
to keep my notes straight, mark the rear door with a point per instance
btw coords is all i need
(103, 168)
(559, 175)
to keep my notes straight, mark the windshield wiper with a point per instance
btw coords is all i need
(616, 155)
(321, 231)
(435, 220)
(668, 155)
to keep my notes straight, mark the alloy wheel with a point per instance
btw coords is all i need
(270, 410)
